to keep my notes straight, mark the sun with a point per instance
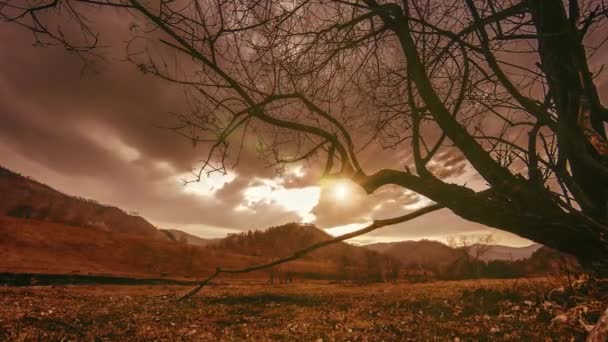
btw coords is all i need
(341, 191)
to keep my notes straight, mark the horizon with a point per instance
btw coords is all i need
(334, 231)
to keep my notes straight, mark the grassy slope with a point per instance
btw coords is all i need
(45, 247)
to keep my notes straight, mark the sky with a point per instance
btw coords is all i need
(96, 133)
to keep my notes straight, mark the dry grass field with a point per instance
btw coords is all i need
(490, 310)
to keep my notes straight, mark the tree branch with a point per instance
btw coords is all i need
(298, 254)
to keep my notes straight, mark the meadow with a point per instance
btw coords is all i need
(541, 309)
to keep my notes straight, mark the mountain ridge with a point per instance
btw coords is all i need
(48, 230)
(24, 197)
(490, 252)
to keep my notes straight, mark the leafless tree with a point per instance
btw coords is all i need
(509, 85)
(474, 248)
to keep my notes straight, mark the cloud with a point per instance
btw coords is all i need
(272, 192)
(358, 207)
(99, 132)
(450, 163)
(97, 135)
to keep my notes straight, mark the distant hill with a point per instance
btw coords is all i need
(279, 241)
(348, 261)
(45, 231)
(180, 236)
(499, 252)
(24, 197)
(425, 251)
(32, 246)
(494, 261)
(425, 254)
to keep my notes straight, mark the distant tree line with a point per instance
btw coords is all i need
(544, 261)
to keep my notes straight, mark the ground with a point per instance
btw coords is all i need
(511, 310)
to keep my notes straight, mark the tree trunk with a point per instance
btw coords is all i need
(574, 95)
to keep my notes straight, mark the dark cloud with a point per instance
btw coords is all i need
(100, 129)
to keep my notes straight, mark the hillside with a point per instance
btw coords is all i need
(499, 252)
(45, 231)
(349, 262)
(495, 261)
(424, 254)
(179, 236)
(26, 198)
(419, 251)
(33, 246)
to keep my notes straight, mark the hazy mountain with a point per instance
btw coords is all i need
(499, 252)
(426, 251)
(482, 260)
(424, 254)
(180, 236)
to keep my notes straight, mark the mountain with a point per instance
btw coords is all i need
(499, 252)
(343, 260)
(430, 252)
(33, 246)
(424, 254)
(477, 261)
(24, 197)
(45, 231)
(193, 240)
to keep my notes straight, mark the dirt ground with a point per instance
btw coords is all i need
(492, 310)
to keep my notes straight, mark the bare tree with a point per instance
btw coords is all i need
(473, 248)
(509, 85)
